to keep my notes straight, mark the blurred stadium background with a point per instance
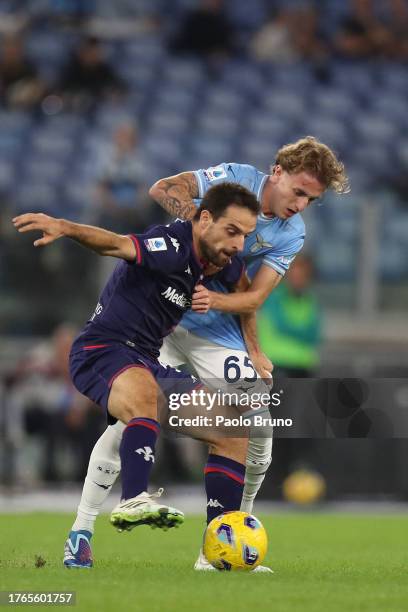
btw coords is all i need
(99, 99)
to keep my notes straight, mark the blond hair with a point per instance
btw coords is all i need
(311, 156)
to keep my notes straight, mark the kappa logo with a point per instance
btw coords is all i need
(180, 299)
(147, 453)
(156, 244)
(214, 503)
(188, 270)
(174, 242)
(260, 244)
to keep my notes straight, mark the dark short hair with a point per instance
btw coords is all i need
(217, 199)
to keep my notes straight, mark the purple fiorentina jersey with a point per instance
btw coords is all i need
(145, 299)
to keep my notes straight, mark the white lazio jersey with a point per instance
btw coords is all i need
(274, 242)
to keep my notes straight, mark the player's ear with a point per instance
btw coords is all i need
(276, 173)
(205, 218)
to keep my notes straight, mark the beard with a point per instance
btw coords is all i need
(218, 258)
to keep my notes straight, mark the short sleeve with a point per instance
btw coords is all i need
(282, 255)
(214, 175)
(158, 250)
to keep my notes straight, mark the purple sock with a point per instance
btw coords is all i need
(137, 455)
(224, 484)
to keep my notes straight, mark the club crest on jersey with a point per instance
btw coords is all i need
(174, 242)
(214, 173)
(156, 244)
(259, 244)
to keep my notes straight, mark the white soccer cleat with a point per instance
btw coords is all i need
(202, 565)
(143, 510)
(262, 569)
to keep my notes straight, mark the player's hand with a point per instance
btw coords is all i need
(201, 300)
(263, 366)
(50, 227)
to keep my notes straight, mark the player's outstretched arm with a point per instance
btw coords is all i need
(97, 239)
(176, 193)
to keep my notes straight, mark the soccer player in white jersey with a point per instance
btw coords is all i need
(213, 344)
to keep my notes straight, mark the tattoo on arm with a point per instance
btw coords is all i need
(175, 194)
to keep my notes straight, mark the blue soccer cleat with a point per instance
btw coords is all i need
(77, 550)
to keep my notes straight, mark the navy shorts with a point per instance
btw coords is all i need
(94, 365)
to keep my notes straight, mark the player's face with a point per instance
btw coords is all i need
(222, 239)
(287, 194)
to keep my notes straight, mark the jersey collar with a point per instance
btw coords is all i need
(258, 197)
(261, 186)
(201, 263)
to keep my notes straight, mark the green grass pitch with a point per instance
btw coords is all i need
(322, 562)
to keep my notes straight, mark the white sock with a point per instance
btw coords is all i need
(103, 470)
(259, 458)
(254, 477)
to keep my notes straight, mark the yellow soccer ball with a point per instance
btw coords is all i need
(235, 541)
(304, 487)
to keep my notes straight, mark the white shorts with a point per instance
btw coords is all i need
(216, 365)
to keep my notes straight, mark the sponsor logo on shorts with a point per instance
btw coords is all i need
(97, 311)
(156, 244)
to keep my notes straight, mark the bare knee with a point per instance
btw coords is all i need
(133, 394)
(232, 448)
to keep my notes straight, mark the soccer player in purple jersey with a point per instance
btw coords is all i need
(302, 172)
(114, 359)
